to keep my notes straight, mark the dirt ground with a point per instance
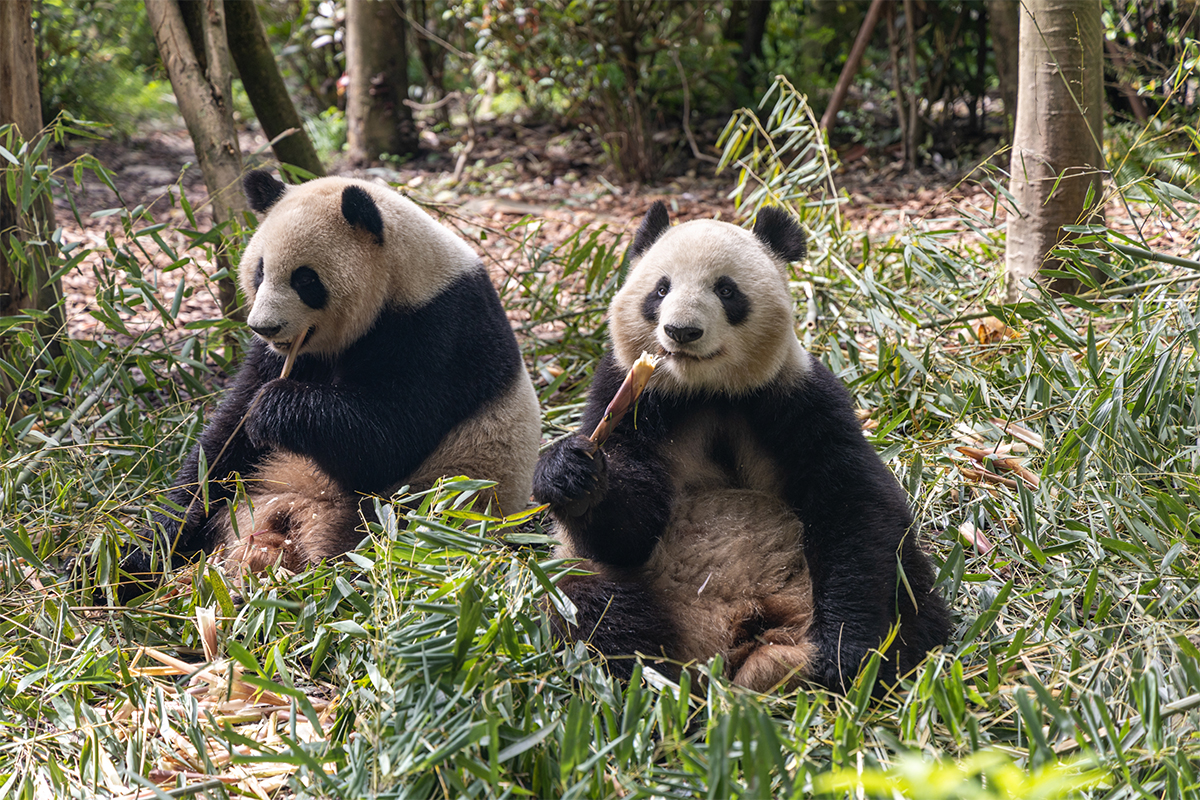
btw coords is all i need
(549, 175)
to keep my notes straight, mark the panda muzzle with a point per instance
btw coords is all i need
(268, 332)
(684, 334)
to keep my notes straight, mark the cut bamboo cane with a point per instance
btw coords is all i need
(625, 398)
(292, 353)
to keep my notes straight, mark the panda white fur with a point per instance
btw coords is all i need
(409, 371)
(739, 511)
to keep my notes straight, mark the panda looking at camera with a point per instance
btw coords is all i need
(408, 371)
(739, 511)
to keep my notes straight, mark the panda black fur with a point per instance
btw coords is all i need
(409, 371)
(740, 510)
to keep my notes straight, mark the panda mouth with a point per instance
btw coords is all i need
(686, 356)
(283, 348)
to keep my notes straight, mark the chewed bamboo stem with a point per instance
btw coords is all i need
(625, 398)
(293, 351)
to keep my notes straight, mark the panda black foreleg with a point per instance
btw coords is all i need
(619, 619)
(613, 505)
(366, 438)
(220, 437)
(858, 597)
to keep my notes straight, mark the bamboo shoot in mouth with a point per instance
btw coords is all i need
(625, 398)
(293, 351)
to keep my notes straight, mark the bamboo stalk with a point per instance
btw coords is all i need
(985, 476)
(1002, 463)
(292, 353)
(625, 398)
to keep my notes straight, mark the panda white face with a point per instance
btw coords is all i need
(713, 297)
(281, 313)
(298, 287)
(332, 253)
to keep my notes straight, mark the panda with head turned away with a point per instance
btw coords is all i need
(738, 510)
(406, 370)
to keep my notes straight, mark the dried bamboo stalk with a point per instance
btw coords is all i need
(969, 532)
(986, 476)
(1018, 432)
(206, 623)
(1002, 463)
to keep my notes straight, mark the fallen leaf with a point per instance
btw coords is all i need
(990, 330)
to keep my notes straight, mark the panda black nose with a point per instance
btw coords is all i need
(682, 333)
(266, 331)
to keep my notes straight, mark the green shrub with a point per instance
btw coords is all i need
(97, 60)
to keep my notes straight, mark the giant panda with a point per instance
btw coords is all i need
(738, 510)
(408, 371)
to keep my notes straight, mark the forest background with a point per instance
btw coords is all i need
(1041, 406)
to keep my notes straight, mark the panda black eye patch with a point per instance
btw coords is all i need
(258, 274)
(654, 299)
(735, 302)
(307, 283)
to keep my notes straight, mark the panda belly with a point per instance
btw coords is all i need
(729, 569)
(294, 515)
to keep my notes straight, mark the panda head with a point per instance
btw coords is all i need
(333, 253)
(713, 297)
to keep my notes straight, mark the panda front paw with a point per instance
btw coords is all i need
(572, 477)
(134, 578)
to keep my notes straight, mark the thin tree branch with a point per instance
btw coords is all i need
(850, 69)
(1149, 255)
(687, 126)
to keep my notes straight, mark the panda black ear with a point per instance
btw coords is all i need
(262, 190)
(654, 225)
(782, 235)
(360, 211)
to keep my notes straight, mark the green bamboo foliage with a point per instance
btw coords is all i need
(782, 159)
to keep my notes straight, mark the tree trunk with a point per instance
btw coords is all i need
(746, 25)
(979, 84)
(203, 95)
(1056, 159)
(264, 85)
(735, 23)
(24, 285)
(377, 120)
(756, 28)
(1136, 104)
(1004, 18)
(897, 82)
(912, 134)
(193, 14)
(432, 56)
